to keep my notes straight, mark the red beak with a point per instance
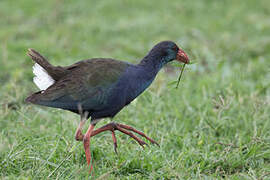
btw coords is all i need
(182, 56)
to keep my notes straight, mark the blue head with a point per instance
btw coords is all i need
(164, 52)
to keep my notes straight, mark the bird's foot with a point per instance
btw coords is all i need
(124, 129)
(113, 127)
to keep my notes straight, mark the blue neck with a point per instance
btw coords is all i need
(152, 64)
(142, 75)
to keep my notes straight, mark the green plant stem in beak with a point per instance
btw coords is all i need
(180, 76)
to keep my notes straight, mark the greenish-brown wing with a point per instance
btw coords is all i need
(87, 83)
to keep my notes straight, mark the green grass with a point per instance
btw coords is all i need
(215, 125)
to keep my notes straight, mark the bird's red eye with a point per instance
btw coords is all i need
(175, 48)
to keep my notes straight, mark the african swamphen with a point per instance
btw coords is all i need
(99, 88)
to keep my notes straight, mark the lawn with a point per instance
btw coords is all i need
(215, 125)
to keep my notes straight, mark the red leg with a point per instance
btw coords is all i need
(86, 143)
(79, 135)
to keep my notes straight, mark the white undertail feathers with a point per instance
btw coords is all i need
(42, 79)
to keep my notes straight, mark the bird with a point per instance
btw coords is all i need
(99, 88)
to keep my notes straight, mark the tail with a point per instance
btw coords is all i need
(55, 72)
(45, 74)
(42, 61)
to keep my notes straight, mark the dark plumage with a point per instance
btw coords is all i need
(100, 88)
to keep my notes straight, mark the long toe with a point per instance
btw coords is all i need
(138, 132)
(141, 142)
(114, 142)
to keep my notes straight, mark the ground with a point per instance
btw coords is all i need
(215, 125)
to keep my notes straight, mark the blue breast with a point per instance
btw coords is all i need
(136, 80)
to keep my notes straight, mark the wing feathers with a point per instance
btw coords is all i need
(90, 84)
